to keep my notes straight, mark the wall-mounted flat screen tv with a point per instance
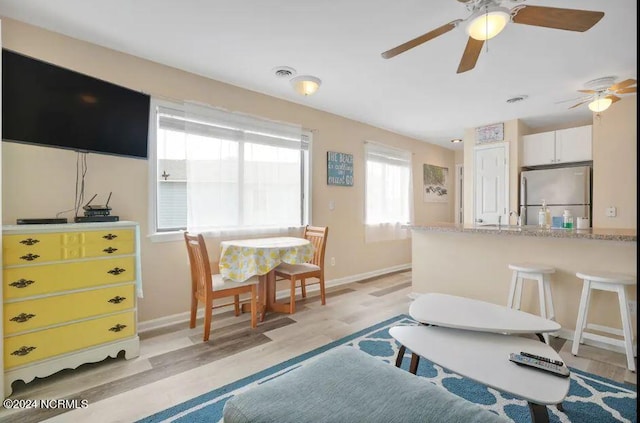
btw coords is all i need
(48, 105)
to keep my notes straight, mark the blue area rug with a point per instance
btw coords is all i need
(590, 399)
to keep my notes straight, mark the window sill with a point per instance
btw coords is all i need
(159, 237)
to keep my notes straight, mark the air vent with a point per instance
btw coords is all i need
(284, 72)
(516, 98)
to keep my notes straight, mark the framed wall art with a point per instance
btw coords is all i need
(490, 133)
(339, 169)
(436, 181)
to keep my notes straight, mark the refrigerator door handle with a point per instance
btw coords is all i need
(523, 200)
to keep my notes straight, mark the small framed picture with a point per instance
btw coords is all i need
(490, 133)
(339, 169)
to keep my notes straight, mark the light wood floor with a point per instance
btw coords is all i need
(175, 365)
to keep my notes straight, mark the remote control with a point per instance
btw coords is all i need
(537, 357)
(554, 369)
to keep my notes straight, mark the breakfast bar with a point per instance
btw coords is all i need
(472, 261)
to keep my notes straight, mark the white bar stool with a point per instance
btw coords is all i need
(613, 282)
(540, 273)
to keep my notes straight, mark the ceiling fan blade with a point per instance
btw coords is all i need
(470, 55)
(420, 40)
(626, 90)
(578, 104)
(580, 99)
(623, 84)
(587, 91)
(557, 18)
(613, 98)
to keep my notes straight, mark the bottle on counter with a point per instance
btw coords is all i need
(542, 216)
(547, 216)
(567, 220)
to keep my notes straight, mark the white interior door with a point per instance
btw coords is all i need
(491, 184)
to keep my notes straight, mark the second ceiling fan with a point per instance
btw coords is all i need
(488, 18)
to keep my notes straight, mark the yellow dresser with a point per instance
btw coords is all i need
(69, 296)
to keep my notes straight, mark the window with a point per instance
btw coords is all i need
(218, 171)
(388, 194)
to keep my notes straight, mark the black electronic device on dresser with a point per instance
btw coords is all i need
(97, 213)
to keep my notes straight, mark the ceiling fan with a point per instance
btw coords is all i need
(488, 18)
(603, 92)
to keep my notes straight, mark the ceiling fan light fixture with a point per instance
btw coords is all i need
(600, 104)
(485, 24)
(306, 84)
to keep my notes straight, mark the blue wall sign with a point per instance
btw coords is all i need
(339, 169)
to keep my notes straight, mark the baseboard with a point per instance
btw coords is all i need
(164, 321)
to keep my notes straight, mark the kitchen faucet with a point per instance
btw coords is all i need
(518, 217)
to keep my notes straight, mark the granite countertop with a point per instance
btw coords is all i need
(512, 230)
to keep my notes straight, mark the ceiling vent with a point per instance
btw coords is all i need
(284, 72)
(516, 98)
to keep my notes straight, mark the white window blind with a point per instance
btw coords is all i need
(388, 193)
(219, 171)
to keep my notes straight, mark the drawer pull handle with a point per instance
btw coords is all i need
(117, 328)
(117, 299)
(24, 350)
(110, 236)
(29, 241)
(116, 271)
(110, 250)
(29, 257)
(21, 283)
(22, 317)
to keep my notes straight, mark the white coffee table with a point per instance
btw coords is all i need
(475, 315)
(484, 357)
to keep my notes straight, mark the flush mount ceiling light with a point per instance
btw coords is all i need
(487, 22)
(306, 84)
(456, 140)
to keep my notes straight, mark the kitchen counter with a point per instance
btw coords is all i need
(473, 262)
(628, 235)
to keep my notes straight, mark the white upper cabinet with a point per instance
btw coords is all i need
(554, 147)
(574, 144)
(538, 149)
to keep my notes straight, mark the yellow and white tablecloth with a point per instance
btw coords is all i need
(241, 259)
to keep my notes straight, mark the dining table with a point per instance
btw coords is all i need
(244, 258)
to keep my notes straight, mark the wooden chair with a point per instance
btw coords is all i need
(313, 269)
(206, 287)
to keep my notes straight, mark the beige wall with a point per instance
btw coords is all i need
(476, 266)
(40, 182)
(615, 165)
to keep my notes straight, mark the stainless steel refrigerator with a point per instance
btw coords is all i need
(566, 188)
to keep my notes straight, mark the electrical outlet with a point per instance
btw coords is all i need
(633, 306)
(333, 261)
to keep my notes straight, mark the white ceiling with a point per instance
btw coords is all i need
(416, 93)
